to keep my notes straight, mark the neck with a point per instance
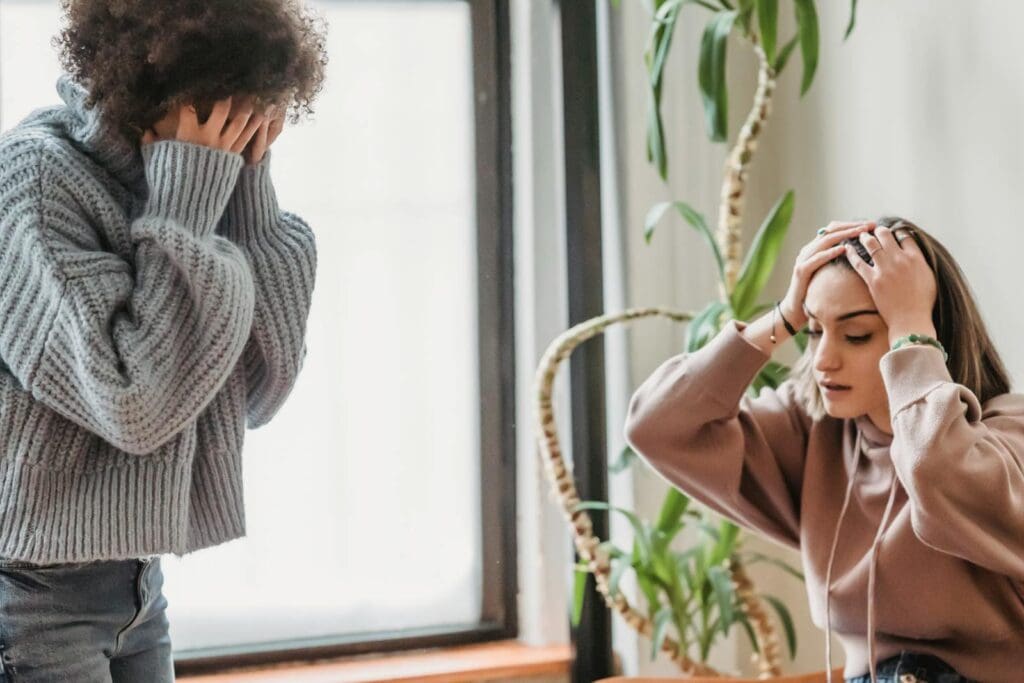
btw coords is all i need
(881, 419)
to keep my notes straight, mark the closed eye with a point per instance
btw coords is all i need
(853, 339)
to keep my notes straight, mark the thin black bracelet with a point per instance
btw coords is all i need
(789, 328)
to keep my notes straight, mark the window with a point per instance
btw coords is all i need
(380, 500)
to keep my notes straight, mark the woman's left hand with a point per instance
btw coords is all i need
(901, 283)
(268, 132)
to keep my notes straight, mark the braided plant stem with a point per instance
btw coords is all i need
(587, 545)
(730, 210)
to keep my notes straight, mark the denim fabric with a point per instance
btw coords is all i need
(909, 667)
(92, 622)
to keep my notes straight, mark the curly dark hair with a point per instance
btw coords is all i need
(140, 58)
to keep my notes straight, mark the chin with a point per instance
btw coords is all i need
(842, 411)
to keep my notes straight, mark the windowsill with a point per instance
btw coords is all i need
(509, 659)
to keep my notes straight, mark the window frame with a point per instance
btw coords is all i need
(489, 20)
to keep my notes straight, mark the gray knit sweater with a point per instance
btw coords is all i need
(153, 303)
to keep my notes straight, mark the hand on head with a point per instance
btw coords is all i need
(901, 283)
(827, 245)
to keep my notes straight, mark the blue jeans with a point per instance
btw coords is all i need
(909, 667)
(94, 622)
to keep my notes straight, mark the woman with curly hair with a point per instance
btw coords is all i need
(153, 304)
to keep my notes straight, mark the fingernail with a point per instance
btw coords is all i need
(822, 231)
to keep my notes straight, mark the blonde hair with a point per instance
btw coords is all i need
(973, 359)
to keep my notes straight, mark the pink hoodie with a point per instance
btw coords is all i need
(921, 533)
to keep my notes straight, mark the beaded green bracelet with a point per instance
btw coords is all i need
(920, 339)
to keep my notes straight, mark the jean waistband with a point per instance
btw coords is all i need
(923, 667)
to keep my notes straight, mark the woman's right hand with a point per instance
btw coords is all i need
(816, 253)
(219, 131)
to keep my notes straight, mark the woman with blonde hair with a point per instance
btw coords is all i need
(892, 459)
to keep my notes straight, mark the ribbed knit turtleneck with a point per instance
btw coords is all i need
(153, 303)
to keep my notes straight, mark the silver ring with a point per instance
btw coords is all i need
(872, 253)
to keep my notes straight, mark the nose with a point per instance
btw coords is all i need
(826, 355)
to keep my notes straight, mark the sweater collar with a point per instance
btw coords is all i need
(875, 441)
(97, 137)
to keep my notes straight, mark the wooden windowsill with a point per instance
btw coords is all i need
(451, 665)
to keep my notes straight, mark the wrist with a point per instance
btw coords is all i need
(794, 316)
(902, 329)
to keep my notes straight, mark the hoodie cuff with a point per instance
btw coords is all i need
(912, 372)
(732, 364)
(253, 210)
(189, 183)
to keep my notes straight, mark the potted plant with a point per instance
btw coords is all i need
(699, 594)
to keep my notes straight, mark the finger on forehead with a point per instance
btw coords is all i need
(188, 118)
(220, 112)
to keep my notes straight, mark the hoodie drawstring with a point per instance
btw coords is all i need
(832, 557)
(875, 547)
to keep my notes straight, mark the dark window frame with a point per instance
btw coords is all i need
(592, 637)
(499, 618)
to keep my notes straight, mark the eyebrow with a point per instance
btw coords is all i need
(845, 316)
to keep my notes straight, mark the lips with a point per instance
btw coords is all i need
(834, 386)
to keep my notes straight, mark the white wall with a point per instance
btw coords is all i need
(914, 115)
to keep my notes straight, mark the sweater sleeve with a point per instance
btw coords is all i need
(282, 251)
(131, 349)
(693, 423)
(961, 463)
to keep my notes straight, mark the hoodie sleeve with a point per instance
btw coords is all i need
(281, 248)
(961, 463)
(694, 424)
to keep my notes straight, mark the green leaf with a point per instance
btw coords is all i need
(726, 543)
(807, 25)
(853, 19)
(672, 509)
(661, 622)
(768, 22)
(658, 43)
(711, 75)
(758, 557)
(616, 576)
(578, 594)
(784, 53)
(656, 135)
(760, 260)
(771, 375)
(725, 593)
(742, 618)
(691, 216)
(787, 623)
(647, 588)
(682, 562)
(639, 531)
(626, 459)
(705, 325)
(611, 549)
(746, 11)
